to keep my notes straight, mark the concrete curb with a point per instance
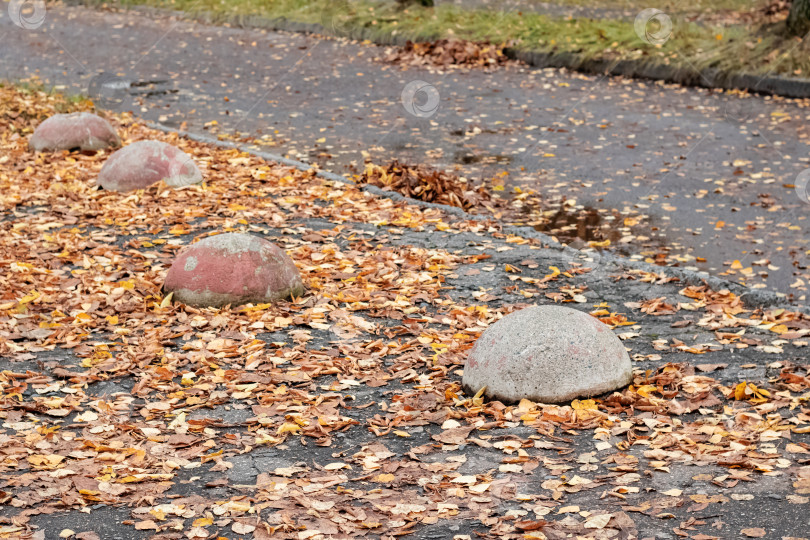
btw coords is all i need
(752, 297)
(710, 78)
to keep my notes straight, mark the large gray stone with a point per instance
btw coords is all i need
(233, 268)
(547, 354)
(142, 163)
(81, 130)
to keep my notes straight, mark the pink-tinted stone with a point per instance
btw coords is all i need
(547, 354)
(82, 130)
(233, 268)
(141, 164)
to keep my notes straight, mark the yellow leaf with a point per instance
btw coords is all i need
(526, 406)
(167, 301)
(578, 481)
(739, 391)
(208, 457)
(42, 461)
(384, 478)
(30, 297)
(288, 427)
(585, 404)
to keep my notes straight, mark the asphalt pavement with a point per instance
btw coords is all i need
(711, 174)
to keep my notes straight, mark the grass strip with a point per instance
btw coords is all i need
(758, 50)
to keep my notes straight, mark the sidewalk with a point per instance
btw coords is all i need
(341, 415)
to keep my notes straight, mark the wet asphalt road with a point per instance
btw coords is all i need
(712, 173)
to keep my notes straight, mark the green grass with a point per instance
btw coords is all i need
(756, 50)
(34, 86)
(668, 6)
(59, 102)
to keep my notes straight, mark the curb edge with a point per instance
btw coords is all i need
(755, 298)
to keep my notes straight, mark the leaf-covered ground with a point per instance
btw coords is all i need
(340, 415)
(673, 176)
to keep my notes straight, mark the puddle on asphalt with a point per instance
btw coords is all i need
(604, 230)
(586, 224)
(468, 159)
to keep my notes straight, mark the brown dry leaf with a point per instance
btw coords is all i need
(423, 183)
(454, 435)
(448, 52)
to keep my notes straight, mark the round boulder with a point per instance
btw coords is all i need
(81, 130)
(547, 354)
(141, 164)
(233, 268)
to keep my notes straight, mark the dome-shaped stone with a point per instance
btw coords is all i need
(141, 164)
(81, 130)
(547, 354)
(233, 268)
